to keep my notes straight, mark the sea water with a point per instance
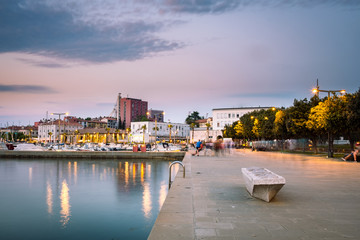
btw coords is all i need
(80, 199)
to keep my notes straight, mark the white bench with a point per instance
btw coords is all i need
(262, 183)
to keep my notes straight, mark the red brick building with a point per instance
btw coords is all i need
(130, 109)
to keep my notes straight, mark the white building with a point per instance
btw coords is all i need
(178, 131)
(55, 129)
(202, 134)
(226, 116)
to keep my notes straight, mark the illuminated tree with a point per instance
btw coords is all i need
(170, 127)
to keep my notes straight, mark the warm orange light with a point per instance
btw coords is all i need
(273, 108)
(342, 91)
(315, 90)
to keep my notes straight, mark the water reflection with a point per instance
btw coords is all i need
(147, 204)
(124, 194)
(163, 193)
(65, 204)
(49, 198)
(30, 175)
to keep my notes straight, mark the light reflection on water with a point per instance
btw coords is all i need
(81, 199)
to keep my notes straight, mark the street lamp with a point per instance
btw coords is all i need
(59, 114)
(316, 92)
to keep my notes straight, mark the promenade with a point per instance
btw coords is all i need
(320, 200)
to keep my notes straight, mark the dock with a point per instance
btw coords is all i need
(171, 156)
(321, 200)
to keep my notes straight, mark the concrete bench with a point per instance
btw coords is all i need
(262, 183)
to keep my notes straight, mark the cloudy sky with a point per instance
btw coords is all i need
(179, 55)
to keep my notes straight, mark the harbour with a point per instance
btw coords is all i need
(67, 198)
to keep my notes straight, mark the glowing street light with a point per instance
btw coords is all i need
(317, 90)
(59, 114)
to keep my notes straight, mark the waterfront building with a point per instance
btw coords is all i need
(179, 131)
(53, 131)
(110, 121)
(128, 110)
(205, 135)
(157, 115)
(226, 116)
(12, 133)
(202, 122)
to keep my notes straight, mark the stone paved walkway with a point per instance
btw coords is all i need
(320, 200)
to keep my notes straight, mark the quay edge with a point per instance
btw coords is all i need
(176, 156)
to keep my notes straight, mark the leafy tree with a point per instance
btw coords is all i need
(229, 131)
(170, 126)
(280, 129)
(299, 116)
(352, 112)
(329, 117)
(193, 117)
(239, 129)
(208, 125)
(144, 129)
(142, 118)
(128, 131)
(256, 128)
(50, 134)
(247, 121)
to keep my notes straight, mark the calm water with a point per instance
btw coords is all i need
(66, 199)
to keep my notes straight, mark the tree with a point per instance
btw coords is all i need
(107, 134)
(143, 127)
(239, 129)
(256, 128)
(299, 116)
(128, 131)
(170, 127)
(193, 117)
(50, 134)
(142, 118)
(352, 113)
(208, 125)
(329, 117)
(280, 129)
(229, 131)
(192, 127)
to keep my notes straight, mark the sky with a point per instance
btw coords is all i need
(178, 55)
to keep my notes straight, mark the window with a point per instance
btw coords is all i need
(237, 115)
(229, 115)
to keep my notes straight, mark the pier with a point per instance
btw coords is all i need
(319, 201)
(173, 156)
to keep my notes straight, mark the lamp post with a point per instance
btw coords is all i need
(316, 92)
(59, 114)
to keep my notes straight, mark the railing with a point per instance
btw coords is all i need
(176, 162)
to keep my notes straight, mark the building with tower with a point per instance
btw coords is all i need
(127, 110)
